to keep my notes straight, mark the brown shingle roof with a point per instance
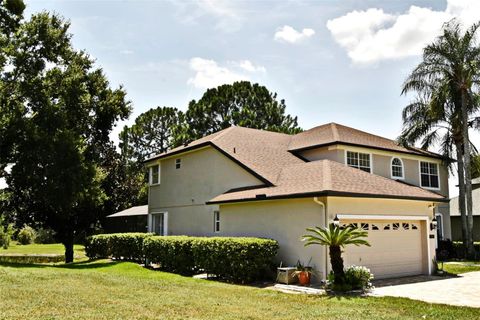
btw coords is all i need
(333, 133)
(267, 155)
(326, 177)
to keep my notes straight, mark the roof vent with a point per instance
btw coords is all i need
(234, 150)
(261, 196)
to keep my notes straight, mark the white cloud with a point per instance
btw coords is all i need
(372, 35)
(290, 35)
(227, 15)
(247, 65)
(209, 74)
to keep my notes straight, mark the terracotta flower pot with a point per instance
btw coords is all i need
(304, 278)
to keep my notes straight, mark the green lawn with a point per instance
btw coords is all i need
(458, 268)
(55, 248)
(122, 290)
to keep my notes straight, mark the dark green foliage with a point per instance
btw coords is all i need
(26, 235)
(171, 253)
(153, 132)
(56, 113)
(45, 236)
(241, 104)
(6, 232)
(126, 246)
(239, 260)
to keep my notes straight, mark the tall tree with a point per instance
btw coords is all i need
(153, 132)
(447, 83)
(241, 103)
(57, 111)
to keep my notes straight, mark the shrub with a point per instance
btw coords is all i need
(358, 277)
(45, 236)
(126, 246)
(456, 249)
(234, 259)
(6, 232)
(171, 253)
(26, 235)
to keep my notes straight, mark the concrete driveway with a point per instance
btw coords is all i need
(460, 291)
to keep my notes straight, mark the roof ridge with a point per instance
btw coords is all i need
(333, 125)
(327, 176)
(221, 133)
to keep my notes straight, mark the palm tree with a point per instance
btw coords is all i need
(447, 83)
(336, 238)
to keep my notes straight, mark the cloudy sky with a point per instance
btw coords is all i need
(341, 61)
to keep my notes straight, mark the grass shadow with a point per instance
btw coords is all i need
(81, 265)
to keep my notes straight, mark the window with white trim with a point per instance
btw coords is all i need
(155, 174)
(397, 168)
(216, 221)
(359, 160)
(178, 163)
(429, 175)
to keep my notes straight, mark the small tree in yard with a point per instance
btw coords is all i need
(336, 238)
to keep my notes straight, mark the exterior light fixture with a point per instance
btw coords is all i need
(433, 224)
(336, 221)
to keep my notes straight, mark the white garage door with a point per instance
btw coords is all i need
(396, 248)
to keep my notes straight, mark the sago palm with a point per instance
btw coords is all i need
(336, 238)
(447, 83)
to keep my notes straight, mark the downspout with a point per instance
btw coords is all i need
(317, 201)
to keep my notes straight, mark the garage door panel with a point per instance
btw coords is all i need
(396, 248)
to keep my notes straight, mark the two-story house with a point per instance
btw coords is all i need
(248, 182)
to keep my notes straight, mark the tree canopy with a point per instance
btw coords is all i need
(242, 104)
(57, 110)
(447, 83)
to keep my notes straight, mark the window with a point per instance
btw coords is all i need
(178, 163)
(429, 175)
(359, 160)
(216, 221)
(397, 168)
(155, 174)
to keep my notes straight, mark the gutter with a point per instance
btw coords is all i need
(315, 199)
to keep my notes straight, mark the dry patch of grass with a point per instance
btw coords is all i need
(121, 290)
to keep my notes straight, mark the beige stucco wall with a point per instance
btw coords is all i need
(323, 153)
(381, 163)
(282, 220)
(183, 192)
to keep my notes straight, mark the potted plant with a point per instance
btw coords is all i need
(304, 274)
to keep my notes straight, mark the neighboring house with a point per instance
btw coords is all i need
(133, 219)
(456, 220)
(248, 182)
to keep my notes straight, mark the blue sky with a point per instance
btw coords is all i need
(341, 61)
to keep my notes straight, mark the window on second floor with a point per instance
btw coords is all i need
(429, 175)
(397, 168)
(359, 160)
(178, 163)
(155, 174)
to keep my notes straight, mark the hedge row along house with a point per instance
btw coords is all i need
(248, 182)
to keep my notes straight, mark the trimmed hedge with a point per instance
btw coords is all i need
(126, 246)
(233, 259)
(171, 253)
(455, 249)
